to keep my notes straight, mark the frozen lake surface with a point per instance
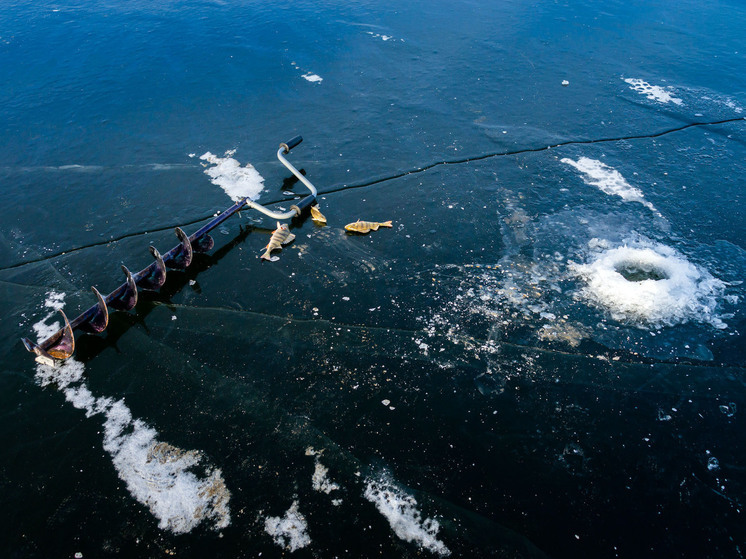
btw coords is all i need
(542, 357)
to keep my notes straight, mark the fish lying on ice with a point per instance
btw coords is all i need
(316, 215)
(280, 236)
(366, 226)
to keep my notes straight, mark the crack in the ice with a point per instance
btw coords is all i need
(463, 339)
(532, 150)
(386, 178)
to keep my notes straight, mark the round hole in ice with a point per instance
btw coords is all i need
(650, 285)
(639, 270)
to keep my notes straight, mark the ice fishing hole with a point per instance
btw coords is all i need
(640, 271)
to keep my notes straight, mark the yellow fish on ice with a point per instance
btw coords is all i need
(280, 236)
(366, 226)
(316, 215)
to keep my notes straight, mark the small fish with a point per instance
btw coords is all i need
(316, 215)
(366, 226)
(280, 236)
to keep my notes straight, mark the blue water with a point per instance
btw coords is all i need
(543, 357)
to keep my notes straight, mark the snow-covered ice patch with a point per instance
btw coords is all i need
(650, 284)
(308, 76)
(652, 92)
(382, 37)
(157, 474)
(320, 480)
(55, 301)
(608, 180)
(238, 182)
(400, 509)
(289, 531)
(313, 78)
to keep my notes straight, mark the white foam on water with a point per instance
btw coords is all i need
(313, 78)
(673, 291)
(608, 180)
(157, 474)
(236, 181)
(289, 531)
(400, 509)
(652, 92)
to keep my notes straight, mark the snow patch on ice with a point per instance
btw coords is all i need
(649, 284)
(400, 509)
(608, 180)
(55, 301)
(157, 474)
(652, 92)
(320, 481)
(382, 37)
(313, 78)
(289, 531)
(236, 181)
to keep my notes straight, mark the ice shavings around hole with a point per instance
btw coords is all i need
(157, 474)
(236, 181)
(289, 531)
(652, 92)
(608, 180)
(670, 289)
(400, 509)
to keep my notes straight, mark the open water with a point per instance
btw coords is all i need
(543, 357)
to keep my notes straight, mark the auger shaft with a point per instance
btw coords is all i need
(61, 344)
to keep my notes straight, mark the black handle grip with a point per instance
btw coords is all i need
(303, 204)
(290, 144)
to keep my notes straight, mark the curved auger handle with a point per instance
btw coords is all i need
(179, 257)
(290, 144)
(99, 319)
(152, 277)
(59, 345)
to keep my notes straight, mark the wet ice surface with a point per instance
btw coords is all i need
(543, 357)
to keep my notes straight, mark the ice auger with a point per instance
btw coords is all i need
(61, 344)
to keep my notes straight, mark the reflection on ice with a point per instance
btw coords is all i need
(650, 284)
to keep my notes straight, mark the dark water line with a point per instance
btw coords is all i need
(388, 178)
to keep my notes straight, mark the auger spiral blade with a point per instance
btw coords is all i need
(154, 276)
(99, 319)
(179, 258)
(59, 346)
(203, 243)
(125, 296)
